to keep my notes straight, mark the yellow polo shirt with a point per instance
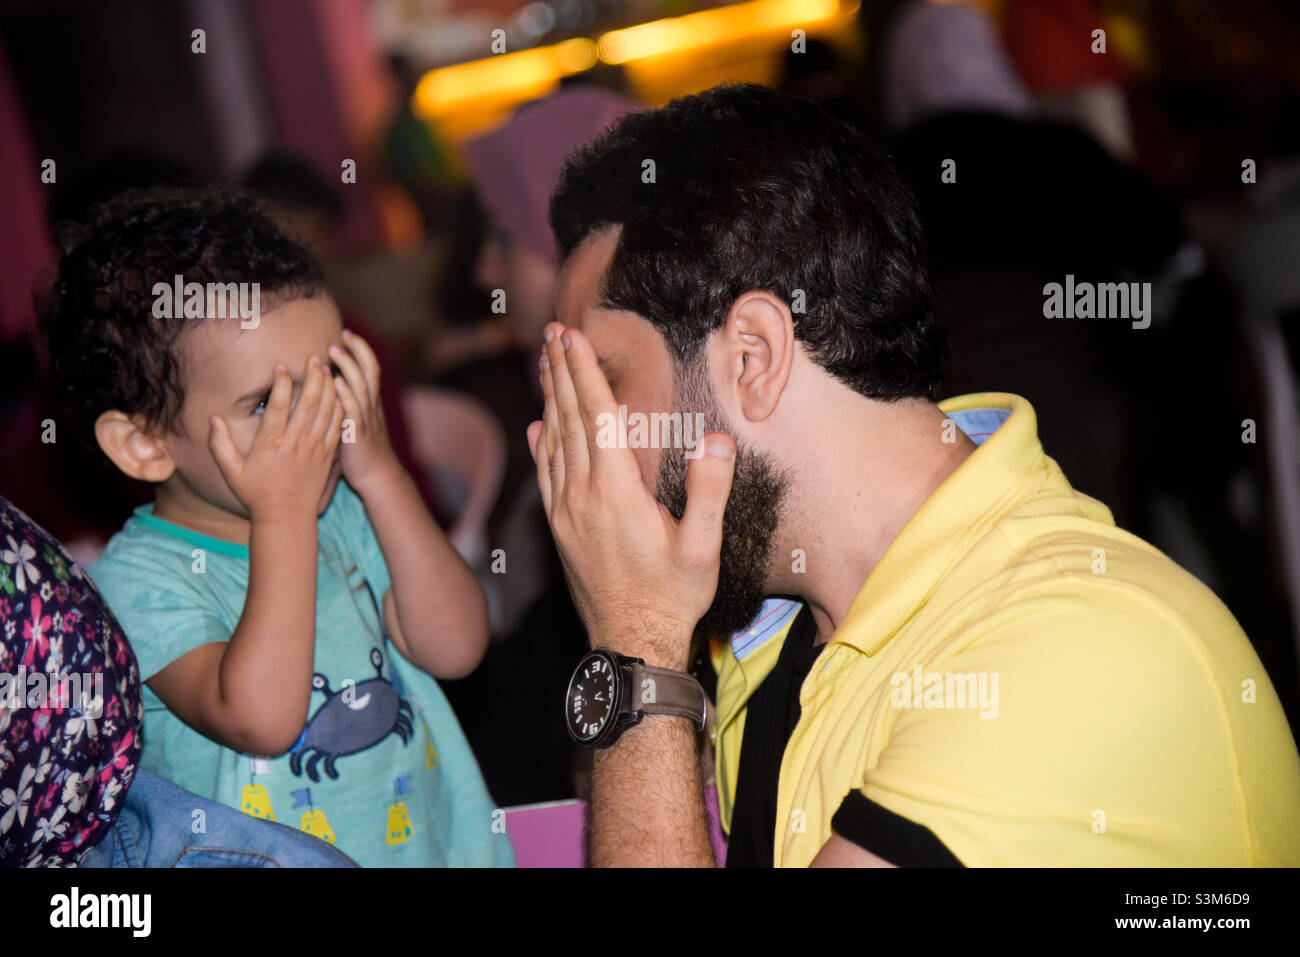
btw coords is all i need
(1032, 684)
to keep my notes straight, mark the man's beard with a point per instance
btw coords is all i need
(749, 522)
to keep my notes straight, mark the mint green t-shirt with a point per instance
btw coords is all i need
(381, 770)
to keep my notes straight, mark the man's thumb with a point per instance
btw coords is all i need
(708, 486)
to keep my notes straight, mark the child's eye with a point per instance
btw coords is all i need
(261, 404)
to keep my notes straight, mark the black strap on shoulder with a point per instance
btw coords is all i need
(890, 836)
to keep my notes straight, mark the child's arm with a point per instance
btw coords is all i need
(436, 611)
(252, 692)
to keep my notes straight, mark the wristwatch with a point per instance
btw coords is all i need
(609, 693)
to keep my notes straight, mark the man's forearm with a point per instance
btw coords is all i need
(647, 799)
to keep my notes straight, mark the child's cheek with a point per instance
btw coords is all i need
(243, 431)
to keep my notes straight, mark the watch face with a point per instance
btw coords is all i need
(589, 704)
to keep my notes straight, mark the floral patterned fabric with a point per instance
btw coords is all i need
(70, 703)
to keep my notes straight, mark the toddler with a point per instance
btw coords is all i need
(287, 593)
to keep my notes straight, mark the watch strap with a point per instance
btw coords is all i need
(673, 693)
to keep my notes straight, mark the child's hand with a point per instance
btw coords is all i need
(286, 468)
(366, 449)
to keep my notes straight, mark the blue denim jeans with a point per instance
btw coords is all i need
(155, 828)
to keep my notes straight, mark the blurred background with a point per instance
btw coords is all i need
(414, 144)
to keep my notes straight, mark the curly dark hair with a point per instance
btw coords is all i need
(756, 189)
(107, 349)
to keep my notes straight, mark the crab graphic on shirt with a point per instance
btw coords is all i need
(351, 720)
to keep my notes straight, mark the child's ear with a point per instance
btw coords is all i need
(133, 449)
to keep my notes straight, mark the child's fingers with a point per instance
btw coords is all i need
(335, 430)
(277, 406)
(223, 448)
(329, 400)
(313, 385)
(352, 373)
(348, 400)
(366, 359)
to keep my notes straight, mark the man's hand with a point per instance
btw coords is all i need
(641, 580)
(367, 453)
(285, 470)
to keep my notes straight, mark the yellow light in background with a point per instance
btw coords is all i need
(464, 97)
(1127, 36)
(513, 76)
(646, 39)
(679, 34)
(574, 56)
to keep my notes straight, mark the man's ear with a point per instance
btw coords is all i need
(133, 449)
(759, 337)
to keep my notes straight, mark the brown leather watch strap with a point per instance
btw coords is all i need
(664, 691)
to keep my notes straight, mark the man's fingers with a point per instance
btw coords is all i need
(223, 448)
(590, 384)
(537, 443)
(573, 431)
(708, 486)
(596, 399)
(551, 428)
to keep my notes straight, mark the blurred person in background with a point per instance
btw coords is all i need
(1012, 200)
(1055, 50)
(1042, 186)
(515, 168)
(817, 72)
(413, 152)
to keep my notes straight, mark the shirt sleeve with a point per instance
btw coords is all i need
(163, 614)
(1097, 737)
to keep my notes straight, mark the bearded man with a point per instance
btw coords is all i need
(930, 649)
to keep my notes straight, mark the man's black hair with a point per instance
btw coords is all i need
(755, 189)
(107, 350)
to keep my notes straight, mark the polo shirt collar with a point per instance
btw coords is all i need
(1005, 469)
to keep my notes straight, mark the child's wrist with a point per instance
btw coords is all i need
(379, 480)
(286, 515)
